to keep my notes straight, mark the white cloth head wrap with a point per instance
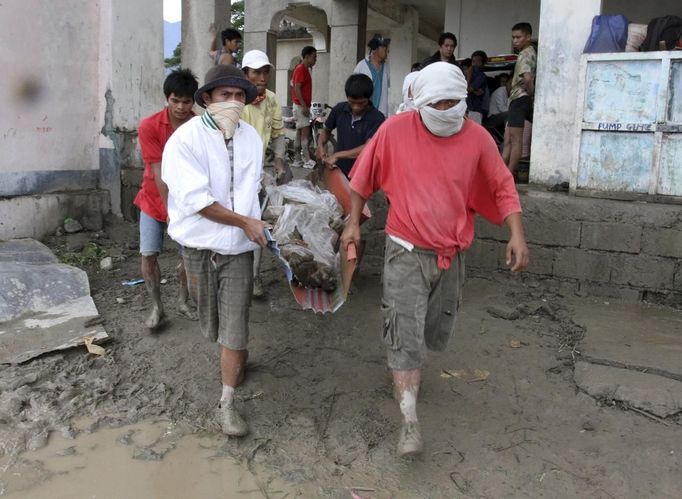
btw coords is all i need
(436, 82)
(409, 79)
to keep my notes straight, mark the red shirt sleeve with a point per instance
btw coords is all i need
(493, 194)
(150, 143)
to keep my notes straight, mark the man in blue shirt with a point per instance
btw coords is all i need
(355, 120)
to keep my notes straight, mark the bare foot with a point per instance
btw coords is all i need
(185, 310)
(155, 317)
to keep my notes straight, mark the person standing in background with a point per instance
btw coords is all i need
(520, 95)
(375, 65)
(302, 96)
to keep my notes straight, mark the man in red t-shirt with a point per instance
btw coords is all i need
(437, 170)
(153, 132)
(302, 96)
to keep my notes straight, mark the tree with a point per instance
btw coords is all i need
(174, 60)
(237, 17)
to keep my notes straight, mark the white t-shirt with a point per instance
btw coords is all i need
(498, 101)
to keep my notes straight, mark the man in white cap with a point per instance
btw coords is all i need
(437, 170)
(265, 115)
(212, 166)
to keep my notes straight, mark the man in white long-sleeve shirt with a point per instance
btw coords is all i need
(212, 166)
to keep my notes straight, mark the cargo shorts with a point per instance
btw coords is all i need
(420, 304)
(221, 286)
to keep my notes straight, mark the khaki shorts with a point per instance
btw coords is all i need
(221, 286)
(420, 304)
(302, 120)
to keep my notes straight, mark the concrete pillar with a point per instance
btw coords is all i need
(348, 24)
(197, 16)
(403, 53)
(452, 21)
(131, 77)
(553, 148)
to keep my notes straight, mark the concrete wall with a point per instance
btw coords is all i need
(48, 212)
(78, 77)
(486, 25)
(594, 246)
(49, 100)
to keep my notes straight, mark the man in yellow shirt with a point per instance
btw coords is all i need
(265, 115)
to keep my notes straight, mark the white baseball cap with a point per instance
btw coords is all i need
(255, 59)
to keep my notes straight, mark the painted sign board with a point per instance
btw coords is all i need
(630, 124)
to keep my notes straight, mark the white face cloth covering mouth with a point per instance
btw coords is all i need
(227, 115)
(436, 82)
(444, 123)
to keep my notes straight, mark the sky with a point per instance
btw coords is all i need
(172, 10)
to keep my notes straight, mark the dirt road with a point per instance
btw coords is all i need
(500, 413)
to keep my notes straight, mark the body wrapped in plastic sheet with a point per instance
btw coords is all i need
(307, 224)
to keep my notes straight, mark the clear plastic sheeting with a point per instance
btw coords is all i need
(308, 226)
(303, 192)
(307, 222)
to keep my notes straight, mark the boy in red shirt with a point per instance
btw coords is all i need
(437, 170)
(153, 132)
(302, 96)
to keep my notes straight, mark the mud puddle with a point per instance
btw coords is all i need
(149, 459)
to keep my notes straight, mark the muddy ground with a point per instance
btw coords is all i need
(500, 413)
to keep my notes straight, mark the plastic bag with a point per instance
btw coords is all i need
(609, 34)
(307, 228)
(308, 224)
(303, 192)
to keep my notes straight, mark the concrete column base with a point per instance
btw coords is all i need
(40, 215)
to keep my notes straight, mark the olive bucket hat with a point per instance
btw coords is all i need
(225, 75)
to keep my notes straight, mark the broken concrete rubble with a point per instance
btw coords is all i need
(44, 305)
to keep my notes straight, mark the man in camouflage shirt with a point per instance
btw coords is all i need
(521, 94)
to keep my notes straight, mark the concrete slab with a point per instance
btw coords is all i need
(648, 392)
(632, 335)
(44, 306)
(55, 328)
(25, 250)
(29, 288)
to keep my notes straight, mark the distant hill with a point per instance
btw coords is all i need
(171, 37)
